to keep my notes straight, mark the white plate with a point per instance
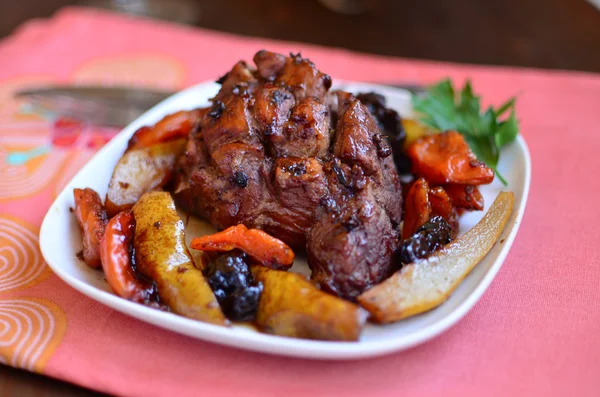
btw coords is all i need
(60, 240)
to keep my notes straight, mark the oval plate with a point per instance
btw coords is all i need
(60, 241)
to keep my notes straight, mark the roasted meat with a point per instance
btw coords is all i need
(390, 124)
(278, 152)
(350, 245)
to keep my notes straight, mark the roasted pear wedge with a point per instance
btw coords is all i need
(162, 256)
(421, 286)
(415, 130)
(292, 306)
(139, 171)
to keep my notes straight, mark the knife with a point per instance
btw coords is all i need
(105, 106)
(108, 106)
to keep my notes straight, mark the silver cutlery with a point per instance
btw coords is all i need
(108, 106)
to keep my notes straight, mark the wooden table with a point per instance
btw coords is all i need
(538, 33)
(553, 34)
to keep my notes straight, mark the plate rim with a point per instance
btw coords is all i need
(266, 343)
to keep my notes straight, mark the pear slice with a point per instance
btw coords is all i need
(162, 256)
(424, 285)
(292, 306)
(140, 171)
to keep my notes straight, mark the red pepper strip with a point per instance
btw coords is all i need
(261, 246)
(172, 126)
(465, 196)
(91, 217)
(447, 158)
(441, 205)
(116, 259)
(417, 209)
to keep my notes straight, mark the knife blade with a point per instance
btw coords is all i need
(108, 106)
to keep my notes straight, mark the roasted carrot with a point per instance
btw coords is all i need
(172, 126)
(117, 259)
(91, 217)
(417, 209)
(447, 158)
(441, 204)
(259, 245)
(465, 196)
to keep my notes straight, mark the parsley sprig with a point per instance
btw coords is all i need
(440, 108)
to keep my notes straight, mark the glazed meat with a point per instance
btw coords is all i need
(350, 245)
(390, 124)
(277, 151)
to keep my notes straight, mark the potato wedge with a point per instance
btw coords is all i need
(162, 256)
(292, 306)
(140, 171)
(423, 285)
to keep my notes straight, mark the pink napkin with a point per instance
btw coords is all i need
(535, 331)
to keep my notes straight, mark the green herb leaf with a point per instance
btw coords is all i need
(441, 109)
(507, 130)
(510, 104)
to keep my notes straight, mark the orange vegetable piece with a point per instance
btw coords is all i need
(417, 209)
(441, 204)
(447, 158)
(261, 246)
(116, 258)
(172, 126)
(91, 217)
(465, 196)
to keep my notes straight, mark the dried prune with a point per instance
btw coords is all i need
(390, 124)
(430, 237)
(234, 286)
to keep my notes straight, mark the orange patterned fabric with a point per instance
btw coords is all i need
(30, 328)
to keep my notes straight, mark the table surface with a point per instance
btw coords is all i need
(553, 34)
(538, 33)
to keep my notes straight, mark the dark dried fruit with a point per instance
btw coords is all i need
(232, 282)
(430, 237)
(390, 124)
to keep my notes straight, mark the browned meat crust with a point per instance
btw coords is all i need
(267, 155)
